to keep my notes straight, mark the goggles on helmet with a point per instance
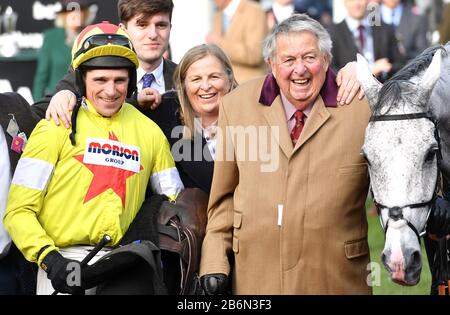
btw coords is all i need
(102, 40)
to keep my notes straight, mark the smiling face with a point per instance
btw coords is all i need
(206, 83)
(106, 89)
(299, 68)
(150, 38)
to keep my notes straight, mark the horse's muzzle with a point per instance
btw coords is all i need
(404, 267)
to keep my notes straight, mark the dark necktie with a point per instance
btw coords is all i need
(361, 37)
(295, 133)
(147, 79)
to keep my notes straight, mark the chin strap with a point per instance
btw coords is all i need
(73, 119)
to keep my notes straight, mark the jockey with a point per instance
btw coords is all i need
(73, 186)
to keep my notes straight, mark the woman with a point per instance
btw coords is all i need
(203, 76)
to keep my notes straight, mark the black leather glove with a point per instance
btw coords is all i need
(58, 271)
(214, 284)
(439, 220)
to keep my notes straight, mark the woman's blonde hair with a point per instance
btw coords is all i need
(192, 55)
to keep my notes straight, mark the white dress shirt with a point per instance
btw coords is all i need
(5, 181)
(228, 13)
(392, 16)
(157, 84)
(209, 133)
(368, 50)
(282, 12)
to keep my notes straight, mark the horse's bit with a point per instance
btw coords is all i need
(396, 213)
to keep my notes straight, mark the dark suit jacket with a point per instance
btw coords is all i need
(193, 174)
(13, 103)
(412, 32)
(384, 43)
(68, 83)
(23, 272)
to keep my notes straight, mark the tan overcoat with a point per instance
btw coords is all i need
(242, 41)
(300, 228)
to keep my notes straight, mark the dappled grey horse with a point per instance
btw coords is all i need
(404, 141)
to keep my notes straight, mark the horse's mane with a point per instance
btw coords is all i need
(391, 90)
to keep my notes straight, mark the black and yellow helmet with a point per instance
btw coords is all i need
(100, 40)
(102, 46)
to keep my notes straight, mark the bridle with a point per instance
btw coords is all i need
(396, 213)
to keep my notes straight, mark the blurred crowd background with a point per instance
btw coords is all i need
(36, 35)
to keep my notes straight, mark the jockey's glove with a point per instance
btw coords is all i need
(214, 284)
(65, 274)
(439, 221)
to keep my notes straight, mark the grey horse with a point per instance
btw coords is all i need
(406, 143)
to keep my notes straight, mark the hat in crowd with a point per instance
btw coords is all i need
(70, 5)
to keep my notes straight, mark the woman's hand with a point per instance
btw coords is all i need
(60, 107)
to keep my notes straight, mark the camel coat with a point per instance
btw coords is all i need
(318, 245)
(242, 41)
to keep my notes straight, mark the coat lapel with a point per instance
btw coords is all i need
(317, 118)
(275, 116)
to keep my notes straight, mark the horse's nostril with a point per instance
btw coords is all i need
(416, 260)
(384, 260)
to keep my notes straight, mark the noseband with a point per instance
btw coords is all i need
(396, 213)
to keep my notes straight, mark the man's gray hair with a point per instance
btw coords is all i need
(295, 24)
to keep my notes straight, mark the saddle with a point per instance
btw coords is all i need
(181, 229)
(163, 233)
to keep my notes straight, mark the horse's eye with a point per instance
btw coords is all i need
(431, 154)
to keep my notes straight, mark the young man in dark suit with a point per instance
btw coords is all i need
(359, 33)
(410, 26)
(148, 23)
(17, 275)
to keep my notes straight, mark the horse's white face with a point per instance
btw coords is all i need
(401, 156)
(402, 164)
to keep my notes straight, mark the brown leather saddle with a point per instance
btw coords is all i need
(181, 229)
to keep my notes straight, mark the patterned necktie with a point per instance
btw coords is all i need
(147, 79)
(295, 133)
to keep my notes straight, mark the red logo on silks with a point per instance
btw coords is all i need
(109, 167)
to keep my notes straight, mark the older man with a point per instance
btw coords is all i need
(298, 227)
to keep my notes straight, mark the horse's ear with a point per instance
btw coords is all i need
(369, 83)
(432, 74)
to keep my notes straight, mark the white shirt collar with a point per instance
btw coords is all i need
(231, 8)
(282, 12)
(388, 14)
(353, 23)
(5, 181)
(209, 133)
(289, 108)
(159, 83)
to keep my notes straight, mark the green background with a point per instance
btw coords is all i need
(385, 285)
